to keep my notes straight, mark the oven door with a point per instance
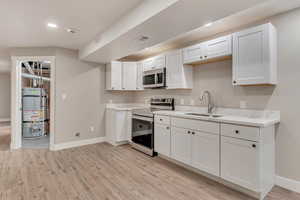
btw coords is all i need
(142, 132)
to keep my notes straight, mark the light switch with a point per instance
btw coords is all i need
(243, 104)
(64, 96)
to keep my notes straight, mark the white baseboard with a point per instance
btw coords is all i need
(79, 143)
(289, 184)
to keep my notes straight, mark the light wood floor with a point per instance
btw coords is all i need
(104, 172)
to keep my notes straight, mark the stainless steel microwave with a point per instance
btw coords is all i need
(154, 78)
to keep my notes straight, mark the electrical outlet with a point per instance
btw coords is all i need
(77, 134)
(181, 101)
(92, 129)
(243, 104)
(192, 102)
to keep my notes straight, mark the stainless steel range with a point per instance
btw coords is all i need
(142, 137)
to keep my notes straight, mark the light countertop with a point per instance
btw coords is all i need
(263, 119)
(126, 107)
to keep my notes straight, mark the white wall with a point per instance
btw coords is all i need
(216, 77)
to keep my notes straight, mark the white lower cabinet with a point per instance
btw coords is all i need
(205, 152)
(181, 145)
(242, 155)
(240, 162)
(117, 126)
(162, 139)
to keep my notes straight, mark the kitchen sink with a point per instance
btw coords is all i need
(204, 115)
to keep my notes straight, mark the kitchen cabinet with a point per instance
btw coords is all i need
(178, 76)
(193, 53)
(162, 140)
(255, 56)
(205, 153)
(216, 49)
(240, 162)
(114, 75)
(181, 144)
(139, 76)
(238, 154)
(121, 76)
(153, 63)
(219, 47)
(129, 75)
(120, 132)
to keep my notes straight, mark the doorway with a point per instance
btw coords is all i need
(33, 97)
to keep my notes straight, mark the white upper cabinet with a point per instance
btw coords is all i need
(218, 48)
(157, 62)
(139, 76)
(193, 53)
(129, 75)
(114, 76)
(121, 75)
(255, 56)
(178, 76)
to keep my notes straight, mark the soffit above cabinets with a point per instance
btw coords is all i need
(182, 24)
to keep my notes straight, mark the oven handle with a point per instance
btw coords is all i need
(142, 118)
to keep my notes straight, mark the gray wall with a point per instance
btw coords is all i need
(4, 95)
(285, 97)
(83, 83)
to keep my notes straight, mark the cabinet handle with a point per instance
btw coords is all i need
(237, 132)
(201, 57)
(189, 132)
(193, 133)
(205, 56)
(160, 119)
(234, 82)
(254, 145)
(168, 128)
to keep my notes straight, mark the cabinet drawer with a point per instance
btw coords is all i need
(210, 127)
(162, 119)
(243, 132)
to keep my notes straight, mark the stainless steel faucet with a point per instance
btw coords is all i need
(210, 105)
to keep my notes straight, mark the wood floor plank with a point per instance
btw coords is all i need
(104, 172)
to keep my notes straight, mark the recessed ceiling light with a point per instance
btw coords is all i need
(208, 24)
(72, 30)
(143, 38)
(52, 25)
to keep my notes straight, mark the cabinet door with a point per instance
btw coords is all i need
(193, 53)
(240, 162)
(219, 47)
(139, 78)
(129, 75)
(148, 64)
(162, 139)
(160, 62)
(254, 59)
(114, 76)
(205, 152)
(174, 69)
(120, 121)
(181, 144)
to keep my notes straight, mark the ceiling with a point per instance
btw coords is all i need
(181, 24)
(23, 22)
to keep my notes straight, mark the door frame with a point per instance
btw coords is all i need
(16, 99)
